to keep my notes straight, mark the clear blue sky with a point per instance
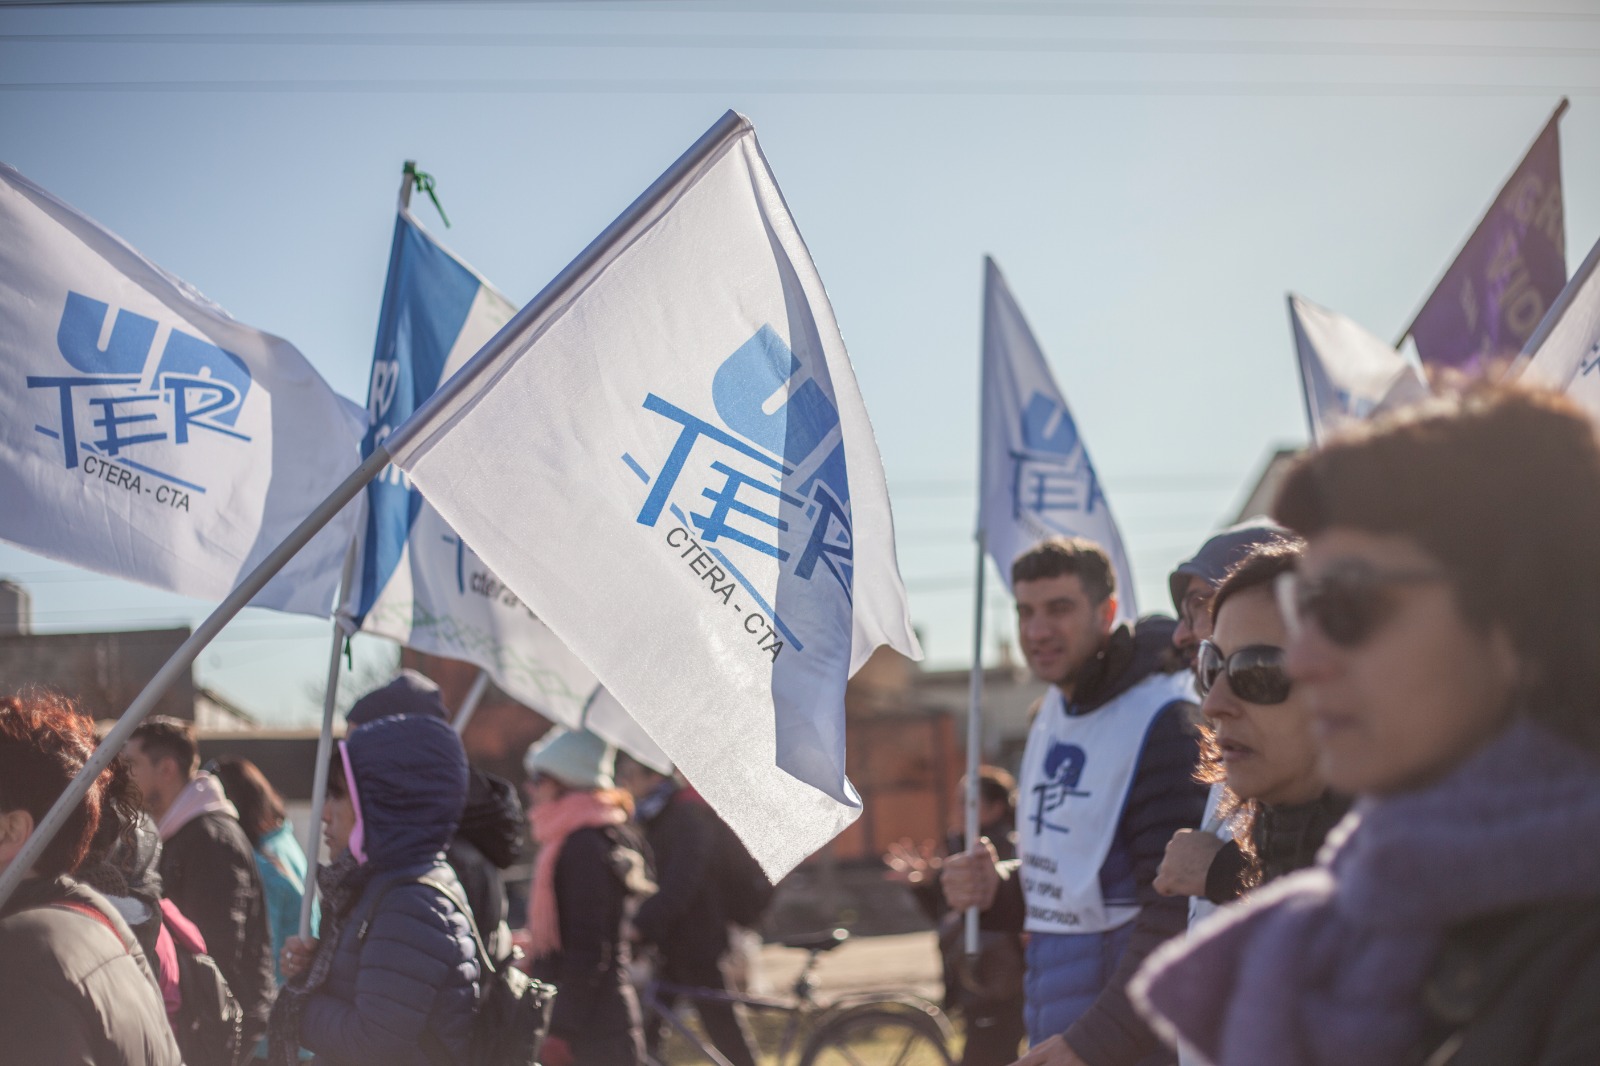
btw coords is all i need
(1151, 177)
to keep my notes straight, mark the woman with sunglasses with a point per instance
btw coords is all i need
(1445, 634)
(1258, 739)
(393, 979)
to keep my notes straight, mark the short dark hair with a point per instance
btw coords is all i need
(44, 743)
(260, 807)
(164, 737)
(1066, 557)
(338, 785)
(1500, 485)
(1260, 566)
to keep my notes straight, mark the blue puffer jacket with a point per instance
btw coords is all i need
(404, 995)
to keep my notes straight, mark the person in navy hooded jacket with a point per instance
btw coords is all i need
(394, 978)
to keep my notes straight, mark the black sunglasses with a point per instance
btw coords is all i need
(1348, 603)
(1255, 674)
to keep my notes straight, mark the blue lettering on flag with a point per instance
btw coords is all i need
(1052, 471)
(741, 485)
(196, 385)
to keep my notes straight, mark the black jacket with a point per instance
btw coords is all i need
(1163, 798)
(597, 873)
(485, 844)
(1520, 988)
(685, 919)
(209, 870)
(70, 993)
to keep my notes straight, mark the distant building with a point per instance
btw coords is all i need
(16, 609)
(103, 672)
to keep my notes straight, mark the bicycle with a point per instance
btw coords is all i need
(860, 1029)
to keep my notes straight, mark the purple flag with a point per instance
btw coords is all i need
(1508, 273)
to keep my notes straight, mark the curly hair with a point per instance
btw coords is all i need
(44, 742)
(1501, 486)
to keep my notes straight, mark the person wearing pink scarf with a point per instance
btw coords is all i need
(591, 870)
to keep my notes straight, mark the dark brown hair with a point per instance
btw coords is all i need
(164, 737)
(1500, 485)
(44, 742)
(1066, 557)
(1259, 568)
(260, 807)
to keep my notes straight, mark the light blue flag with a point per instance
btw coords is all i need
(418, 582)
(1037, 478)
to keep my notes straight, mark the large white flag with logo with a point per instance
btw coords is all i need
(1037, 478)
(147, 435)
(671, 464)
(417, 582)
(1346, 372)
(1565, 351)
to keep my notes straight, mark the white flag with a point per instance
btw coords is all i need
(1037, 479)
(1346, 372)
(147, 435)
(668, 459)
(417, 582)
(609, 720)
(1564, 352)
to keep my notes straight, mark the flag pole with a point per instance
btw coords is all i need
(330, 694)
(469, 703)
(1561, 109)
(319, 786)
(1300, 363)
(975, 691)
(181, 660)
(975, 738)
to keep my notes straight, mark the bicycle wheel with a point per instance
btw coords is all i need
(878, 1036)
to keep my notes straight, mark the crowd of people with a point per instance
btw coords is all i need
(1341, 809)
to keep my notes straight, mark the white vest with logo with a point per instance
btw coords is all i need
(1076, 772)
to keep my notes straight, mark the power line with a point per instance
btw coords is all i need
(824, 42)
(807, 87)
(953, 8)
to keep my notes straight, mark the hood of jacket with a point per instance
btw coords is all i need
(492, 820)
(411, 775)
(1130, 655)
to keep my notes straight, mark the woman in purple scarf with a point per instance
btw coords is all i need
(1445, 630)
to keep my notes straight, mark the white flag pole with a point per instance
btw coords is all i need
(469, 704)
(975, 738)
(181, 660)
(319, 786)
(420, 422)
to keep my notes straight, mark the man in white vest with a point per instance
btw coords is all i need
(1107, 779)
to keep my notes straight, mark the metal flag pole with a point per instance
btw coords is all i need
(975, 738)
(319, 786)
(181, 660)
(421, 423)
(469, 703)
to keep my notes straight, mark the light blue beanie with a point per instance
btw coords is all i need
(577, 758)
